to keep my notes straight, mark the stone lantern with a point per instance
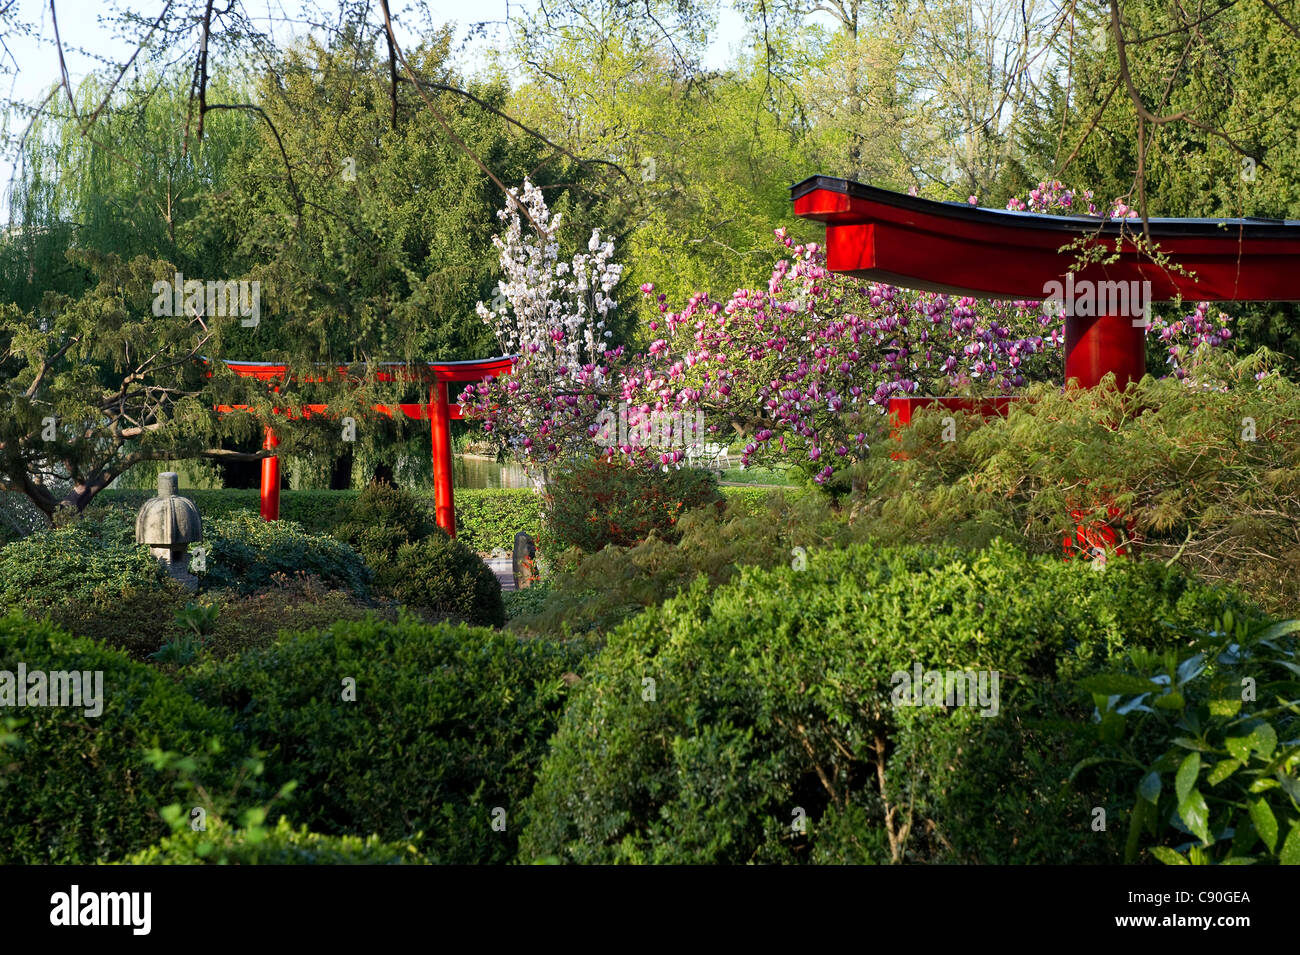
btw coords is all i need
(168, 524)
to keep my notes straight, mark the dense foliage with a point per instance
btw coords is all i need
(708, 725)
(414, 732)
(220, 844)
(91, 562)
(245, 553)
(1208, 476)
(81, 788)
(594, 503)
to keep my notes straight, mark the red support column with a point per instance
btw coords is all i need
(440, 425)
(270, 480)
(1095, 346)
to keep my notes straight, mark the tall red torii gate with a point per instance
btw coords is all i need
(439, 411)
(993, 253)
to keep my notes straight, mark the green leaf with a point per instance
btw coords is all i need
(1222, 770)
(1280, 629)
(1196, 815)
(1168, 856)
(1226, 707)
(1263, 739)
(1290, 854)
(1239, 747)
(1186, 778)
(1170, 701)
(1116, 684)
(1261, 814)
(1149, 787)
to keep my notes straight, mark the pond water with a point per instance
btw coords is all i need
(475, 471)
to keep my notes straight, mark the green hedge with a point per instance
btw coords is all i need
(447, 725)
(93, 560)
(709, 725)
(319, 512)
(486, 518)
(221, 845)
(78, 789)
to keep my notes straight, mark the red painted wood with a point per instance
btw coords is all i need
(1095, 346)
(917, 243)
(443, 505)
(270, 480)
(439, 411)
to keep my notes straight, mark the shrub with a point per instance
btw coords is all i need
(93, 560)
(81, 789)
(138, 620)
(319, 512)
(1222, 777)
(708, 724)
(289, 604)
(419, 563)
(283, 845)
(245, 553)
(384, 518)
(442, 575)
(490, 518)
(593, 503)
(141, 621)
(1208, 477)
(763, 532)
(527, 602)
(448, 724)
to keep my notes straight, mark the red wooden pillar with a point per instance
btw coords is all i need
(440, 422)
(1095, 346)
(270, 480)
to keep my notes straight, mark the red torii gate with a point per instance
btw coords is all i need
(992, 253)
(439, 412)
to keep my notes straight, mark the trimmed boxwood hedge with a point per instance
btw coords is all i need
(220, 844)
(448, 724)
(486, 518)
(708, 724)
(77, 788)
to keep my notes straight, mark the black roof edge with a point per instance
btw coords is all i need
(1246, 227)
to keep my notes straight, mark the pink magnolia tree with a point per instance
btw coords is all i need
(801, 369)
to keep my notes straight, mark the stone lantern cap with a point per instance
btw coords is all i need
(168, 521)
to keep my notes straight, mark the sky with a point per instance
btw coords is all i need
(29, 65)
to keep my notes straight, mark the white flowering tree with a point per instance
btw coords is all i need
(553, 316)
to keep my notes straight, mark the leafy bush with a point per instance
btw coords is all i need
(594, 503)
(289, 604)
(141, 621)
(319, 512)
(246, 552)
(220, 844)
(1207, 476)
(760, 531)
(448, 724)
(442, 575)
(419, 563)
(711, 724)
(490, 518)
(93, 560)
(1226, 787)
(80, 788)
(526, 602)
(384, 518)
